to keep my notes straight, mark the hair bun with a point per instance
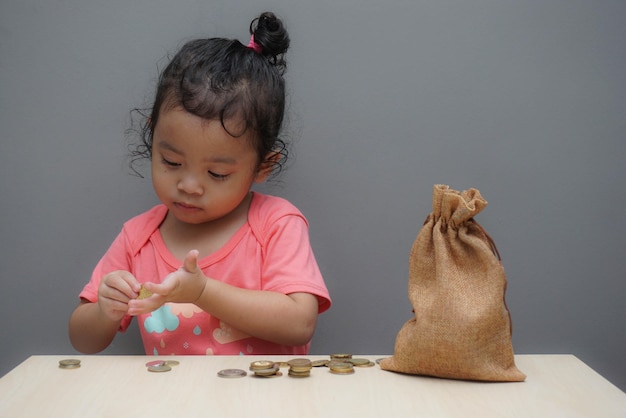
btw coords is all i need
(270, 34)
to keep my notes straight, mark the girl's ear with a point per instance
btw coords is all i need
(267, 165)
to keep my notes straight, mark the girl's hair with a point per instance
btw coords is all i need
(222, 79)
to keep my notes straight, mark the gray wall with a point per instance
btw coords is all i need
(524, 100)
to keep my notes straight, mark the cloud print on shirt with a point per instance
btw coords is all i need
(161, 319)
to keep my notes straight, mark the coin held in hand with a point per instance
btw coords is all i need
(144, 293)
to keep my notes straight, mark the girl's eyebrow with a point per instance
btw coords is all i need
(212, 159)
(223, 160)
(164, 144)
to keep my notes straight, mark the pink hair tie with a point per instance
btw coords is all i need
(254, 46)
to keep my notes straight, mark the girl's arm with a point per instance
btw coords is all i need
(271, 316)
(90, 330)
(276, 317)
(94, 325)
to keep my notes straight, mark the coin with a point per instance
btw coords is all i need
(69, 364)
(266, 372)
(299, 362)
(320, 363)
(338, 364)
(159, 368)
(155, 363)
(350, 371)
(267, 376)
(368, 364)
(295, 373)
(360, 362)
(144, 293)
(340, 368)
(171, 362)
(230, 373)
(344, 356)
(265, 368)
(261, 365)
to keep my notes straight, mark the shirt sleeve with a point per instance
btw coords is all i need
(289, 263)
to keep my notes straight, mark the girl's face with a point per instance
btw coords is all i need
(199, 171)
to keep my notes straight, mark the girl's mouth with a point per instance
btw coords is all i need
(186, 207)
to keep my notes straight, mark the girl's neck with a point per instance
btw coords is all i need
(208, 237)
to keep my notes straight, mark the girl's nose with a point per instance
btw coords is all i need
(190, 184)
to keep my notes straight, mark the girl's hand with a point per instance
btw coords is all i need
(115, 291)
(185, 285)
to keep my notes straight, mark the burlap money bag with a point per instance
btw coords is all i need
(462, 326)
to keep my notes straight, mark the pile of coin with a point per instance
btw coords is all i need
(338, 363)
(69, 364)
(341, 364)
(265, 368)
(159, 366)
(300, 367)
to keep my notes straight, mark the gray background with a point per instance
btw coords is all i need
(524, 100)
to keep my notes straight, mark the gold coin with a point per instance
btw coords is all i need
(171, 362)
(300, 369)
(300, 372)
(144, 293)
(340, 367)
(342, 371)
(319, 363)
(266, 372)
(159, 368)
(232, 373)
(300, 365)
(293, 373)
(340, 356)
(368, 364)
(267, 376)
(261, 365)
(299, 362)
(358, 361)
(338, 364)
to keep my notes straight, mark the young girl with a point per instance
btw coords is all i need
(231, 271)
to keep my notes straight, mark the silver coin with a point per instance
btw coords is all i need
(69, 364)
(230, 373)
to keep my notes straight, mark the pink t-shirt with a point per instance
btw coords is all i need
(270, 252)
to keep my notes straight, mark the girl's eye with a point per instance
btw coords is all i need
(218, 176)
(169, 163)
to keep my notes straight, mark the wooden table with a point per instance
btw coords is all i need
(121, 386)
